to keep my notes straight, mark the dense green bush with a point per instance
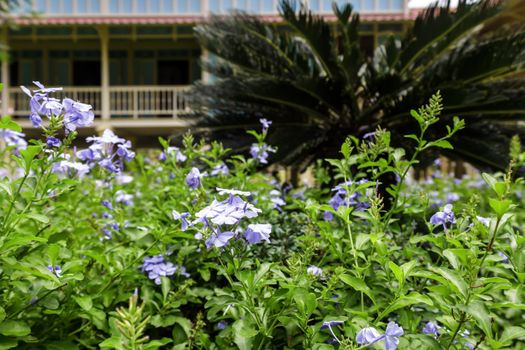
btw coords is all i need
(106, 249)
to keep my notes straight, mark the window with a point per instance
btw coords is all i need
(242, 5)
(398, 4)
(267, 6)
(167, 6)
(141, 6)
(214, 6)
(154, 6)
(384, 5)
(327, 6)
(368, 5)
(54, 7)
(227, 6)
(314, 5)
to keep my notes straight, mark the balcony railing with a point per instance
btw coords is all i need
(125, 101)
(53, 8)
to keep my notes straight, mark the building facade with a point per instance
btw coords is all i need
(132, 59)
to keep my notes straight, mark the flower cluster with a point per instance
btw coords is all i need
(75, 114)
(342, 198)
(370, 335)
(179, 156)
(109, 151)
(261, 152)
(443, 217)
(193, 179)
(156, 267)
(13, 139)
(221, 218)
(66, 167)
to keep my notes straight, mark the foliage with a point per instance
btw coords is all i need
(175, 253)
(312, 79)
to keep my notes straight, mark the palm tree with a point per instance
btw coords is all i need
(313, 80)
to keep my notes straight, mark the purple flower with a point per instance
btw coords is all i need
(255, 233)
(370, 335)
(220, 169)
(265, 123)
(484, 221)
(193, 179)
(107, 233)
(56, 270)
(314, 271)
(107, 204)
(277, 199)
(53, 142)
(369, 135)
(124, 151)
(431, 328)
(183, 217)
(65, 167)
(452, 197)
(77, 114)
(123, 179)
(124, 198)
(342, 198)
(179, 156)
(222, 325)
(393, 331)
(329, 324)
(505, 259)
(13, 138)
(156, 267)
(328, 216)
(443, 217)
(261, 152)
(41, 104)
(219, 239)
(109, 151)
(227, 212)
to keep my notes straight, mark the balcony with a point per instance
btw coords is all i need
(129, 106)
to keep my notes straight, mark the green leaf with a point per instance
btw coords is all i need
(53, 250)
(7, 123)
(2, 314)
(455, 281)
(111, 343)
(38, 217)
(84, 302)
(29, 154)
(306, 302)
(500, 207)
(489, 180)
(404, 301)
(398, 272)
(12, 328)
(165, 285)
(479, 312)
(157, 343)
(510, 333)
(357, 284)
(442, 144)
(243, 334)
(7, 343)
(6, 188)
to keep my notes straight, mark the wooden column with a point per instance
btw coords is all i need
(104, 60)
(5, 73)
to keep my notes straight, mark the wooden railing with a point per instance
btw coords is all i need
(125, 101)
